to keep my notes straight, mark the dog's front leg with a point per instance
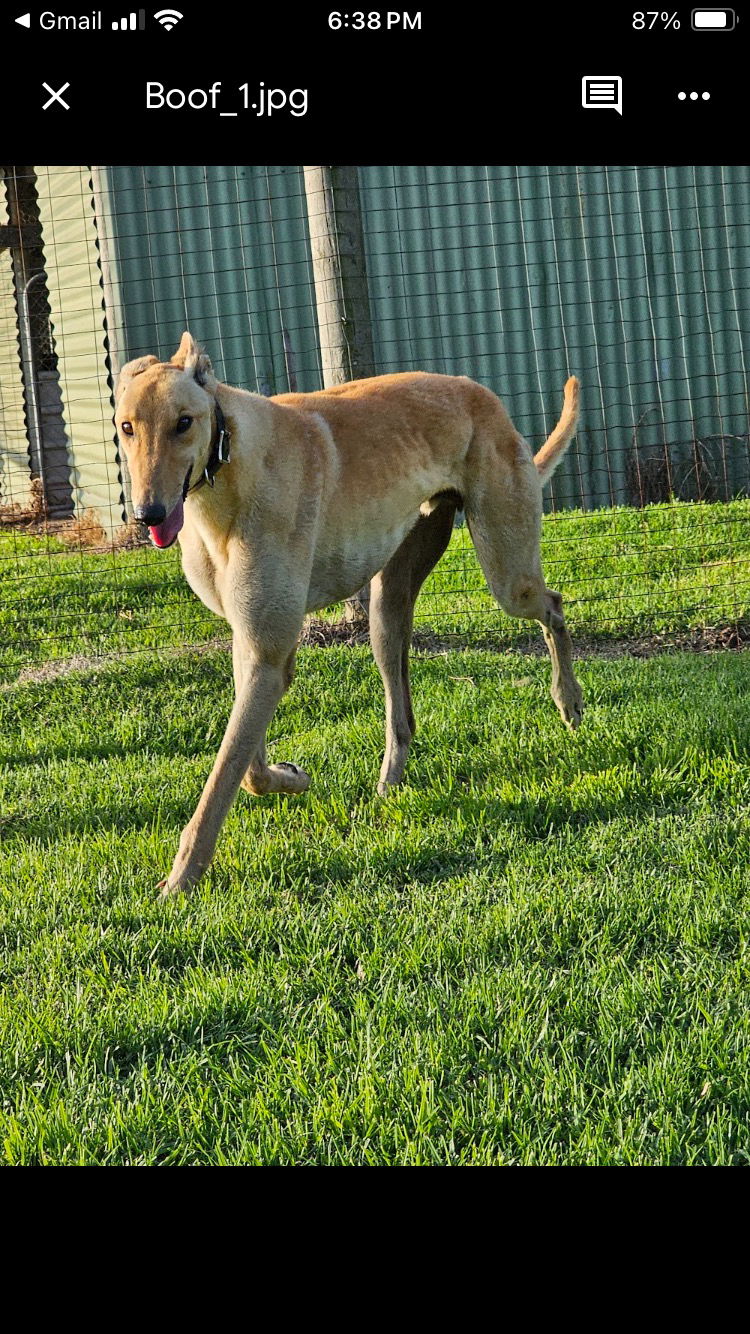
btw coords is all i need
(260, 687)
(262, 777)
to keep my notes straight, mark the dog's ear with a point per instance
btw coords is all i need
(131, 369)
(193, 360)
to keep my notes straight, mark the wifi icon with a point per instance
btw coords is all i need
(168, 18)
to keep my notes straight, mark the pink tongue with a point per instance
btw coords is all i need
(164, 534)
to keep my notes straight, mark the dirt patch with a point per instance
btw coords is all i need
(60, 667)
(82, 532)
(85, 530)
(324, 634)
(330, 634)
(327, 634)
(14, 515)
(52, 671)
(708, 639)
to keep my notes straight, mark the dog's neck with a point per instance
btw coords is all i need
(219, 453)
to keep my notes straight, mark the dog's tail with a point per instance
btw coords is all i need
(548, 457)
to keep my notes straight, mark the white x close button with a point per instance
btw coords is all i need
(56, 96)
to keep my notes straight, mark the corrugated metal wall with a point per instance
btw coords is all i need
(223, 251)
(635, 279)
(15, 476)
(77, 318)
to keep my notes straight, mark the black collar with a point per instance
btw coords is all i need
(219, 452)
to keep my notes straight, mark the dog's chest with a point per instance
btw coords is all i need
(201, 573)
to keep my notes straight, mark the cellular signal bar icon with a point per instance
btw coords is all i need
(130, 22)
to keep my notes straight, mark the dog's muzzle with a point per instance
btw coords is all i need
(150, 514)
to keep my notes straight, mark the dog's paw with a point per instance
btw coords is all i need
(290, 777)
(286, 778)
(569, 702)
(184, 876)
(572, 714)
(570, 707)
(169, 890)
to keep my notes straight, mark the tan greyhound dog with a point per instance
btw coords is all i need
(320, 493)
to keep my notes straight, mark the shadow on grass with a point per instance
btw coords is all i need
(539, 817)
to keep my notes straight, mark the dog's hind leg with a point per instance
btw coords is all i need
(565, 690)
(506, 529)
(393, 594)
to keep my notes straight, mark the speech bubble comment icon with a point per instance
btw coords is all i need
(602, 91)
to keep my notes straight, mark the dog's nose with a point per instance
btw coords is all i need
(150, 514)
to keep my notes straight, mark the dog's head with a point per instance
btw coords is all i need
(165, 418)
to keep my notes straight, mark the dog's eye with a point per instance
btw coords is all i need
(126, 428)
(184, 424)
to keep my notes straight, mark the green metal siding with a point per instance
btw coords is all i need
(634, 279)
(225, 252)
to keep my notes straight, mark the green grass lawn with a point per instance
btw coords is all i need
(667, 569)
(535, 952)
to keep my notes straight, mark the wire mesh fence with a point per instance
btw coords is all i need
(633, 279)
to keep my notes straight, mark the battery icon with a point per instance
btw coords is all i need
(713, 20)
